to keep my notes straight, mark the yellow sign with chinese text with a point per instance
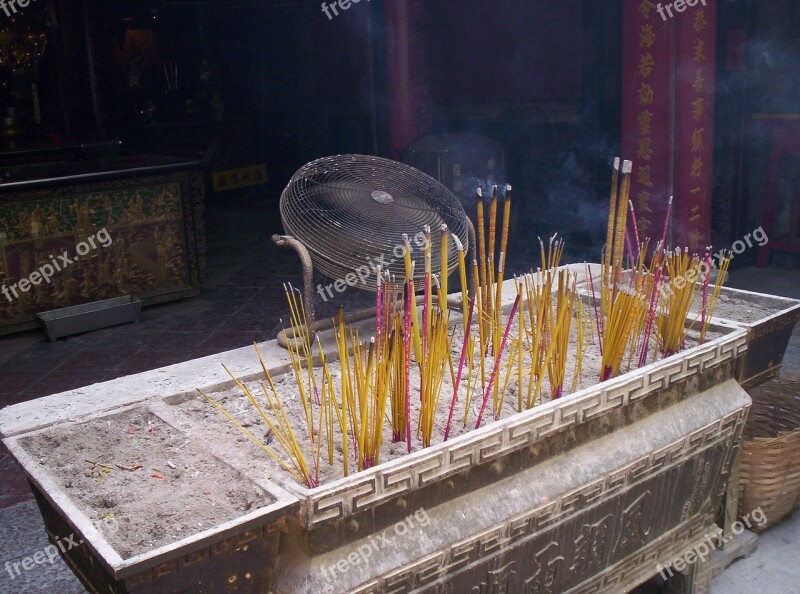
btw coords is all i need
(242, 177)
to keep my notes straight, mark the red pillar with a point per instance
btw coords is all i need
(409, 97)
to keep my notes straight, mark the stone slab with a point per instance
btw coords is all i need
(742, 546)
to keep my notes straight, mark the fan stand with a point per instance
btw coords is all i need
(312, 327)
(287, 241)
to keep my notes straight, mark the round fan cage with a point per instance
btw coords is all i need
(351, 211)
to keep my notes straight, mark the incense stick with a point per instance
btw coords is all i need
(457, 383)
(497, 362)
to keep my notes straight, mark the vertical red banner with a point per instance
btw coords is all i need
(694, 126)
(668, 114)
(647, 64)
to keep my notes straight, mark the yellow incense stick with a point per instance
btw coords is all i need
(409, 269)
(462, 275)
(610, 231)
(481, 232)
(443, 271)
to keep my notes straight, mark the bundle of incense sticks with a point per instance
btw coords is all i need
(551, 300)
(560, 320)
(538, 296)
(683, 270)
(622, 311)
(300, 345)
(661, 289)
(643, 284)
(436, 342)
(281, 427)
(491, 265)
(277, 420)
(710, 303)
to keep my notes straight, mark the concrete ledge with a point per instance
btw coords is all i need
(124, 391)
(742, 546)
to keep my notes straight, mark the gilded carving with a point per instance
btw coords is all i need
(153, 249)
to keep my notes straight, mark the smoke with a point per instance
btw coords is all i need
(575, 210)
(469, 197)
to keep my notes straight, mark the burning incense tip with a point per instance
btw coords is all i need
(479, 192)
(627, 167)
(459, 245)
(508, 187)
(670, 199)
(444, 228)
(616, 163)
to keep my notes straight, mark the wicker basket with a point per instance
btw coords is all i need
(770, 471)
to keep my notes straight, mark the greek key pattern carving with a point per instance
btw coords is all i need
(546, 564)
(268, 535)
(500, 439)
(644, 562)
(590, 546)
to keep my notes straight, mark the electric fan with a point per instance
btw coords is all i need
(348, 213)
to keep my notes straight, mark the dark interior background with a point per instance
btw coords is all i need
(278, 82)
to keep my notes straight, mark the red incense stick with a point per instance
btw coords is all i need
(460, 367)
(497, 362)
